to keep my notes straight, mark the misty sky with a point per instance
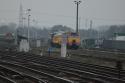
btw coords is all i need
(51, 12)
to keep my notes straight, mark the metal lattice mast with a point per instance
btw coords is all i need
(21, 16)
(20, 25)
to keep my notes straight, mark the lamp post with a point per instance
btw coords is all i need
(77, 3)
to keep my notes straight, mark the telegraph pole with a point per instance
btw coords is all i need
(28, 23)
(91, 22)
(77, 11)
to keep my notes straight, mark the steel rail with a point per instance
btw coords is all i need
(20, 73)
(38, 59)
(109, 78)
(14, 66)
(6, 79)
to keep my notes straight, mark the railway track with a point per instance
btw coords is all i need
(15, 76)
(4, 79)
(70, 75)
(68, 70)
(115, 55)
(107, 50)
(44, 77)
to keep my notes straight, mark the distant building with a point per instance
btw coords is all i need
(120, 36)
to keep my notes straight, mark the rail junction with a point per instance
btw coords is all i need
(21, 67)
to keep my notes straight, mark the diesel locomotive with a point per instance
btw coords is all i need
(73, 40)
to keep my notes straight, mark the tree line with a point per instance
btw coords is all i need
(37, 32)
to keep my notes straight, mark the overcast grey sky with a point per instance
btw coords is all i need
(52, 12)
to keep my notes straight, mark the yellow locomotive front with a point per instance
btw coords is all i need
(73, 40)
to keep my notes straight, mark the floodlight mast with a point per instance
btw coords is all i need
(77, 15)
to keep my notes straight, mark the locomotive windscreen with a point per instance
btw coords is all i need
(74, 34)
